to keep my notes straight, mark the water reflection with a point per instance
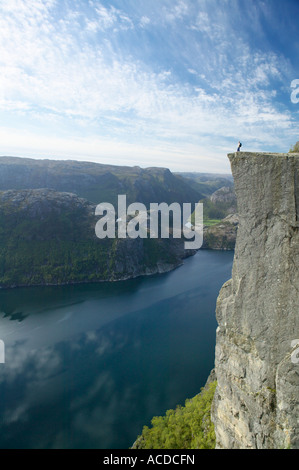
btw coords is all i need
(15, 316)
(89, 366)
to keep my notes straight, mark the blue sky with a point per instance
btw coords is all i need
(172, 83)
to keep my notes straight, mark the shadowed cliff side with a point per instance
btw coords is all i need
(256, 403)
(48, 238)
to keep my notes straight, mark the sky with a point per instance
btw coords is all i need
(167, 83)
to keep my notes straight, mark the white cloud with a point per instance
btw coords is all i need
(108, 18)
(144, 21)
(202, 23)
(176, 12)
(73, 71)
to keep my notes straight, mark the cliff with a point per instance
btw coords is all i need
(221, 236)
(220, 219)
(48, 237)
(256, 404)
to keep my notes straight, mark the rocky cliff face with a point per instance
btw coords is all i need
(221, 236)
(225, 195)
(48, 237)
(256, 403)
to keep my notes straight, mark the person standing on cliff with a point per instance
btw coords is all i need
(239, 147)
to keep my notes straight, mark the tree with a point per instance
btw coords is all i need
(186, 427)
(295, 148)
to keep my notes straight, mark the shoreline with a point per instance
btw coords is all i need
(99, 281)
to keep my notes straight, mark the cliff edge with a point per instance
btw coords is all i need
(256, 404)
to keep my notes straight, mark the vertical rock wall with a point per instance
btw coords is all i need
(256, 403)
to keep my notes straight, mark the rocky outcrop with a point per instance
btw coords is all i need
(221, 219)
(221, 236)
(256, 404)
(48, 237)
(225, 195)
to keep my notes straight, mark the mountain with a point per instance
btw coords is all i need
(256, 401)
(97, 182)
(222, 235)
(255, 404)
(220, 219)
(47, 221)
(48, 237)
(207, 183)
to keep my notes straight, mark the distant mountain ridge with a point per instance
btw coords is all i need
(97, 182)
(47, 221)
(207, 183)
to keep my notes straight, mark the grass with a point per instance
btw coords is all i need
(211, 222)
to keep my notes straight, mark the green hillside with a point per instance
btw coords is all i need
(186, 427)
(47, 237)
(97, 182)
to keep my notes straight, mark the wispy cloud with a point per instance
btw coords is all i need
(178, 11)
(173, 78)
(106, 18)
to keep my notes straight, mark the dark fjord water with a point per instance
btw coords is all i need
(86, 366)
